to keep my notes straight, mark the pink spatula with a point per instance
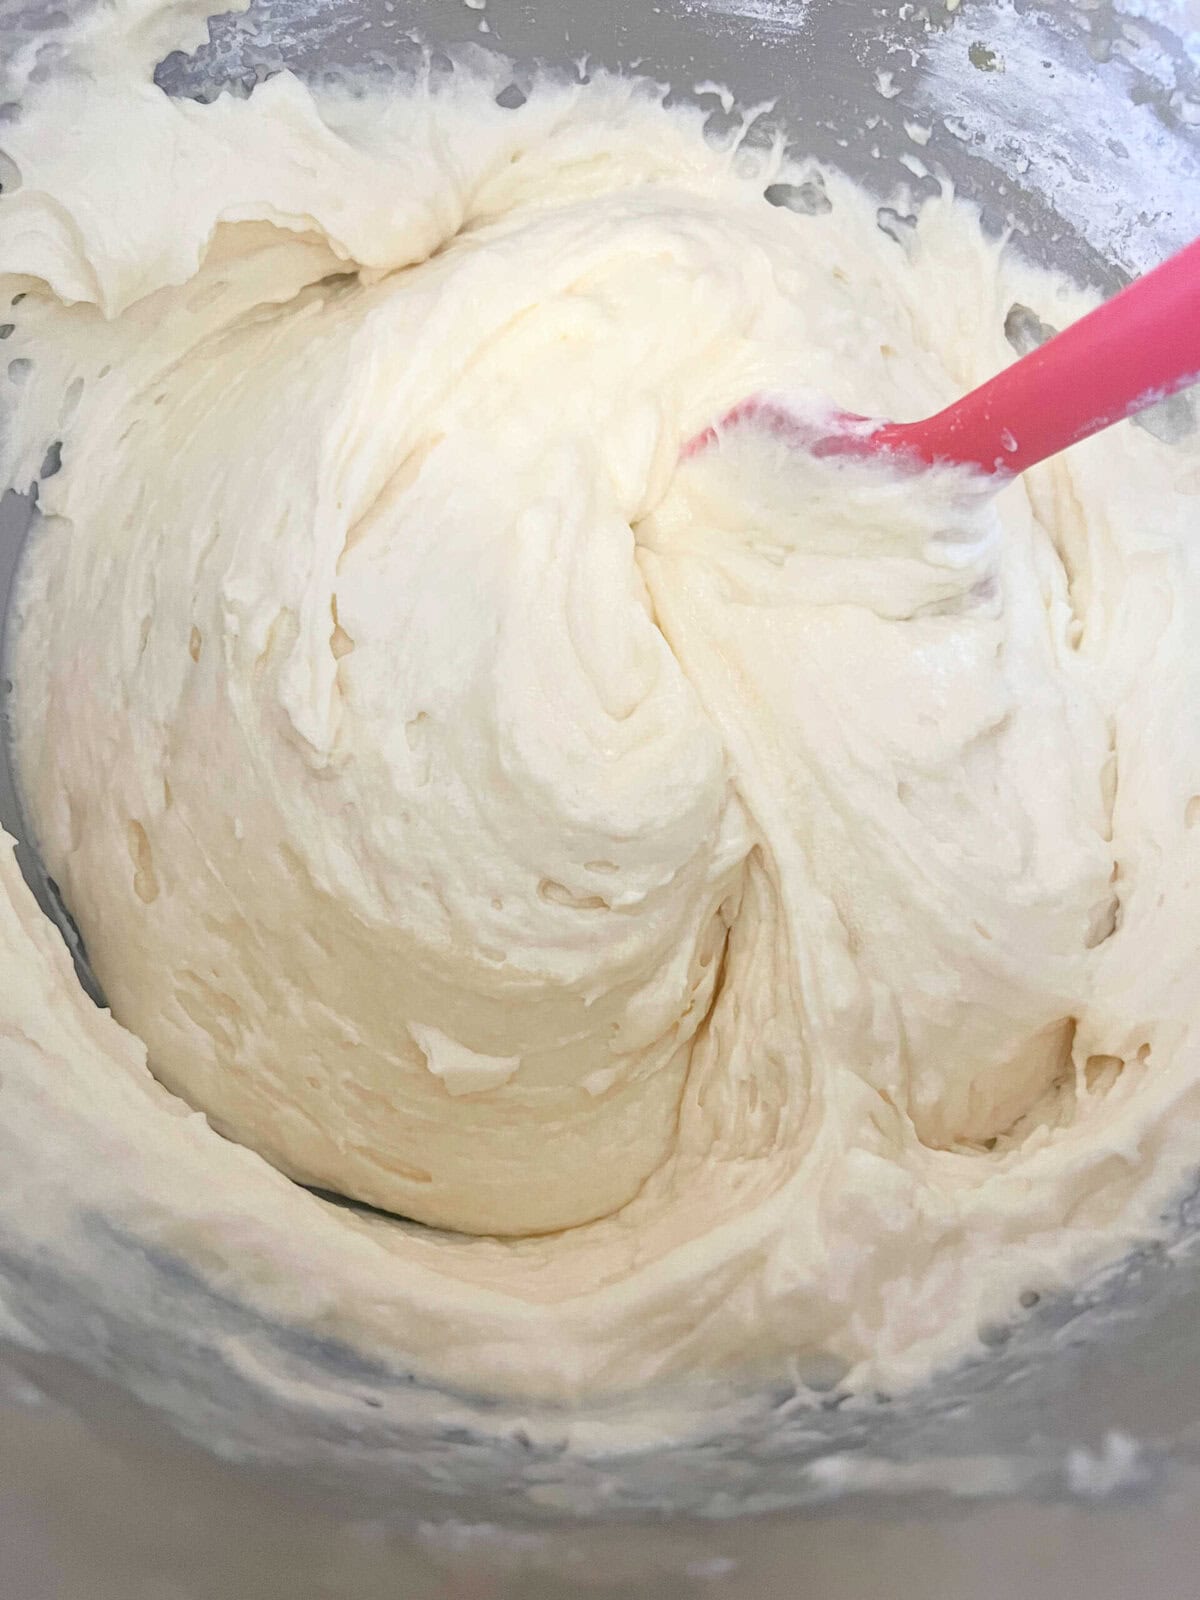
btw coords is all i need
(1137, 348)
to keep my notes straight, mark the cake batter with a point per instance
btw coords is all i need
(745, 909)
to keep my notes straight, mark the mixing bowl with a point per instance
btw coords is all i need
(1076, 127)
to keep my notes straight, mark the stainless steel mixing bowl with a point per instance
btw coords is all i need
(1077, 126)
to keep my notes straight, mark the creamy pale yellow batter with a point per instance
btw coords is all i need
(763, 889)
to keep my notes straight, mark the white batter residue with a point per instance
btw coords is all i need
(753, 902)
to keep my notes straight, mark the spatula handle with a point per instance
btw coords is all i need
(1137, 348)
